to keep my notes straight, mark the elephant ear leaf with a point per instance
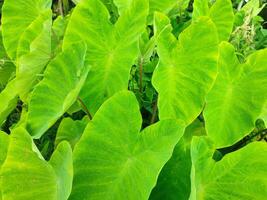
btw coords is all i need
(237, 97)
(26, 175)
(174, 179)
(29, 48)
(221, 13)
(186, 71)
(17, 16)
(59, 89)
(164, 6)
(240, 175)
(112, 155)
(61, 161)
(4, 141)
(112, 49)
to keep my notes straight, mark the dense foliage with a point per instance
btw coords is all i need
(133, 99)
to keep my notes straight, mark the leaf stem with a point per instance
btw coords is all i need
(60, 8)
(85, 108)
(141, 76)
(154, 113)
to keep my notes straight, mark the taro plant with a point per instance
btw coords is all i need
(133, 99)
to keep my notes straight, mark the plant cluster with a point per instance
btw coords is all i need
(133, 100)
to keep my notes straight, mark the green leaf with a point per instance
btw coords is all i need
(34, 52)
(17, 16)
(112, 49)
(164, 6)
(186, 71)
(62, 81)
(238, 96)
(174, 179)
(221, 13)
(71, 130)
(26, 175)
(253, 7)
(263, 115)
(240, 175)
(112, 156)
(7, 68)
(58, 31)
(9, 98)
(61, 161)
(4, 141)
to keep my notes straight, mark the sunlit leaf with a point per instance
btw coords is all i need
(174, 179)
(186, 71)
(113, 160)
(164, 6)
(61, 161)
(221, 13)
(62, 81)
(240, 175)
(238, 96)
(26, 175)
(112, 49)
(17, 16)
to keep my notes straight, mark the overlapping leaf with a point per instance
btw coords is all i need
(62, 81)
(240, 175)
(34, 52)
(164, 6)
(7, 68)
(29, 48)
(4, 141)
(17, 17)
(238, 96)
(186, 71)
(25, 175)
(112, 156)
(71, 130)
(174, 179)
(112, 49)
(221, 13)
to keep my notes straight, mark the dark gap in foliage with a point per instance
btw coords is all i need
(259, 134)
(12, 118)
(46, 144)
(62, 7)
(263, 14)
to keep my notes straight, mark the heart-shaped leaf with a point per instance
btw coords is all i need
(238, 96)
(221, 13)
(26, 175)
(112, 156)
(31, 48)
(17, 16)
(186, 71)
(62, 81)
(112, 49)
(240, 175)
